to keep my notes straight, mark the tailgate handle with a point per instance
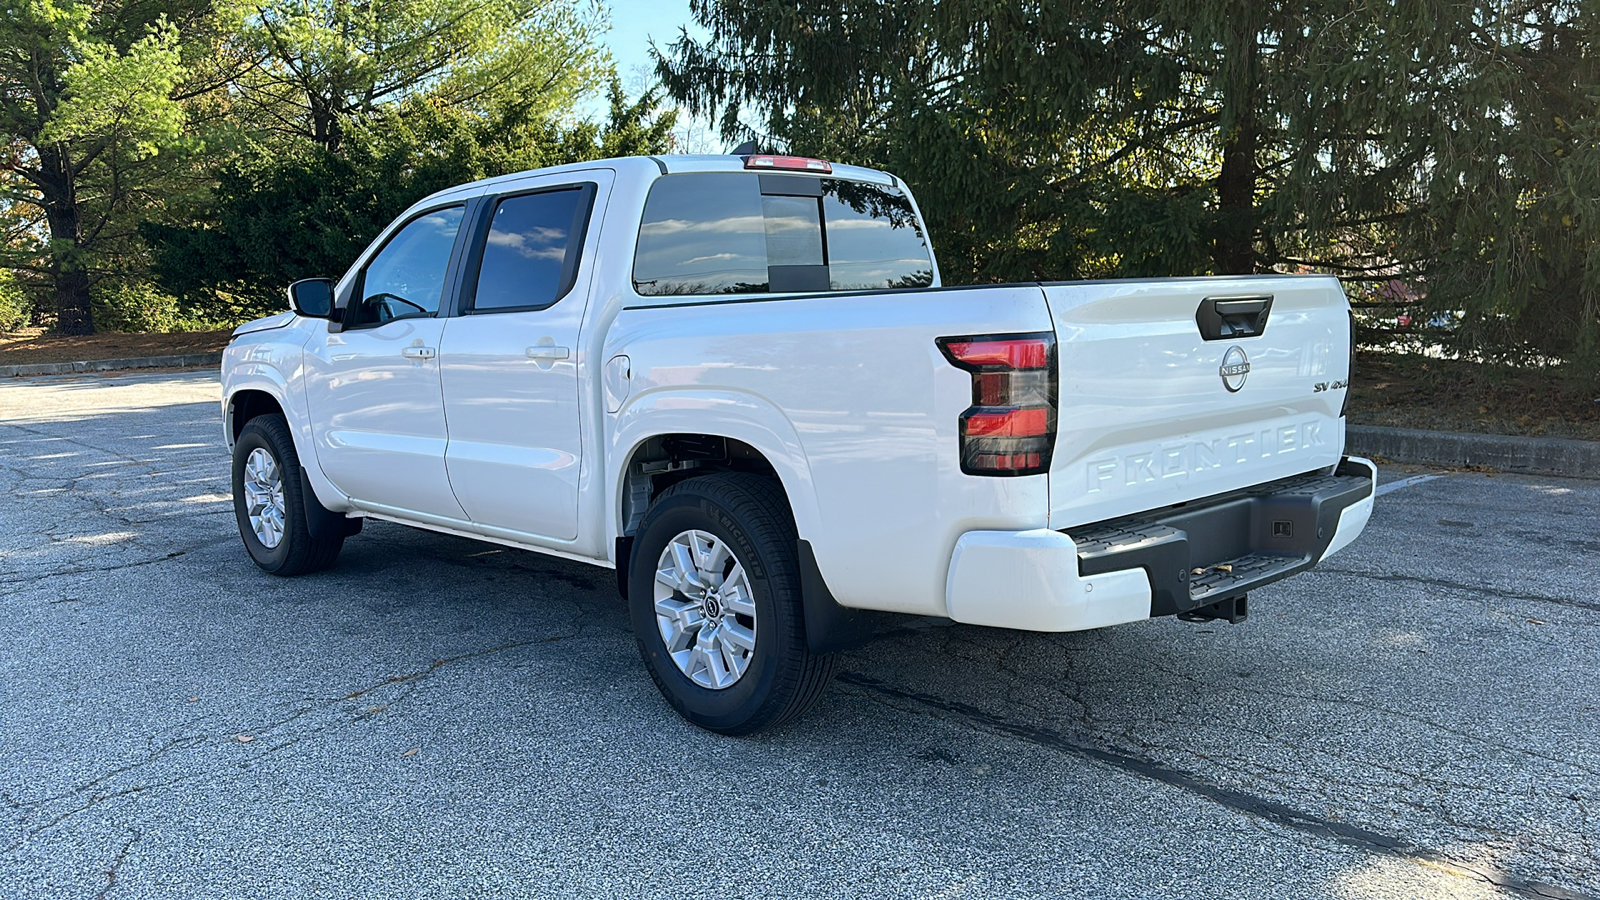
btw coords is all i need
(1224, 318)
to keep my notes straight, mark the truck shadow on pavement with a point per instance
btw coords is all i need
(1270, 719)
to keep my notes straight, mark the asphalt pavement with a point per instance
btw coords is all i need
(435, 717)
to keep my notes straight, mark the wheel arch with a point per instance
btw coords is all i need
(768, 437)
(658, 461)
(246, 404)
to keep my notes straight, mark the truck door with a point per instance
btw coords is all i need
(511, 361)
(373, 386)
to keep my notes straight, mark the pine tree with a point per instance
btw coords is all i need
(1445, 147)
(87, 105)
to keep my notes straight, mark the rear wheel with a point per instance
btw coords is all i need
(270, 502)
(714, 595)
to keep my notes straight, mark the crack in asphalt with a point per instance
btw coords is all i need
(116, 863)
(1482, 589)
(169, 556)
(1423, 720)
(87, 798)
(133, 477)
(1239, 801)
(441, 663)
(1420, 791)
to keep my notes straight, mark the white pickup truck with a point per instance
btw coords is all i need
(738, 381)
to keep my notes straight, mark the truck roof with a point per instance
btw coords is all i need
(653, 167)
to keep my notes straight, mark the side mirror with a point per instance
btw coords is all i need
(312, 297)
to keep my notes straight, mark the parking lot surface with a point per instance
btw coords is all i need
(436, 717)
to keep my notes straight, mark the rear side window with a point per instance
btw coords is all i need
(530, 255)
(746, 232)
(874, 239)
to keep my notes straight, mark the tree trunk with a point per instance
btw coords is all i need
(74, 315)
(1236, 189)
(1236, 183)
(326, 128)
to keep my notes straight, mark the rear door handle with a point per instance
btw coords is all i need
(418, 352)
(545, 351)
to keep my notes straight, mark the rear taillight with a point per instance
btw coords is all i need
(1010, 429)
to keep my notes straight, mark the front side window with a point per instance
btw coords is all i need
(744, 233)
(531, 254)
(406, 278)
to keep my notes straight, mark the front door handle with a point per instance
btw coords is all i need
(418, 352)
(545, 351)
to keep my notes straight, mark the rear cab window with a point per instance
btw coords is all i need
(709, 233)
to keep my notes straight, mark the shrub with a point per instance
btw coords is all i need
(15, 310)
(135, 307)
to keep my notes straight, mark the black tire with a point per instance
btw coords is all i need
(751, 515)
(297, 552)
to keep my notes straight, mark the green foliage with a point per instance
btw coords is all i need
(1042, 141)
(278, 218)
(1505, 211)
(121, 96)
(87, 109)
(15, 310)
(326, 64)
(118, 120)
(135, 306)
(1438, 151)
(349, 112)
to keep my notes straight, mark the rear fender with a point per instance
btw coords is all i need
(731, 414)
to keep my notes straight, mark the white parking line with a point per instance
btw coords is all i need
(1404, 483)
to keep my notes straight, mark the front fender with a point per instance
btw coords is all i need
(254, 369)
(264, 362)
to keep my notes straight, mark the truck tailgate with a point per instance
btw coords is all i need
(1153, 412)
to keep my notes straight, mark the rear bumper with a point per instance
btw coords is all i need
(1162, 562)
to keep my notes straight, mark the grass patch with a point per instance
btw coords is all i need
(35, 345)
(1412, 391)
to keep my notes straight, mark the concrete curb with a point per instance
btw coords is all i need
(1507, 453)
(185, 360)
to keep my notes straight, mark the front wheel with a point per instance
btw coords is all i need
(714, 595)
(270, 502)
